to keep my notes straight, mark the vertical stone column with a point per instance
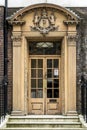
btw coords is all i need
(17, 102)
(71, 94)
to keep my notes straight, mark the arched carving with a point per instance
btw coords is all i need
(23, 11)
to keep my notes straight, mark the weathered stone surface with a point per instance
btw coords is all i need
(81, 51)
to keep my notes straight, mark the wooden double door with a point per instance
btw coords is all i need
(44, 85)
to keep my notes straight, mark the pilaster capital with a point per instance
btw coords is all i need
(16, 38)
(72, 38)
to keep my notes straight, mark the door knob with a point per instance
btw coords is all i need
(45, 76)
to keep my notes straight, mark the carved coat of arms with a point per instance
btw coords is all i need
(44, 23)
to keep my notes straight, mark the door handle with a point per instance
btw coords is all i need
(45, 76)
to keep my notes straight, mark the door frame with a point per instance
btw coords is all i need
(21, 72)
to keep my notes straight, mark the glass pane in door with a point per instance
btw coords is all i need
(36, 78)
(52, 78)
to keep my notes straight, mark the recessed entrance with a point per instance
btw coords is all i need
(44, 81)
(44, 33)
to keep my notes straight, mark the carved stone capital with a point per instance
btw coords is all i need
(72, 39)
(16, 40)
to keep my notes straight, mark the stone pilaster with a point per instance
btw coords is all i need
(71, 100)
(17, 73)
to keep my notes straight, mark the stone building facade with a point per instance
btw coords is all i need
(81, 50)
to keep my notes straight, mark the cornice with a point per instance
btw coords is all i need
(16, 22)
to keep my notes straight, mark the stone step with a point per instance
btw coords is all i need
(43, 118)
(44, 124)
(44, 128)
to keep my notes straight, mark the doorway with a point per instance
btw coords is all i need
(44, 81)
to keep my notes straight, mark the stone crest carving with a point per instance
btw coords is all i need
(43, 22)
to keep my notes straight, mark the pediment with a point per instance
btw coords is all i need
(25, 10)
(44, 18)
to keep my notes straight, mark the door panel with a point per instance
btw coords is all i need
(52, 99)
(37, 106)
(44, 85)
(52, 107)
(36, 86)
